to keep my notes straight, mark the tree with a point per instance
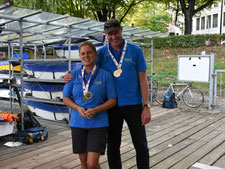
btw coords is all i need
(100, 10)
(149, 15)
(189, 8)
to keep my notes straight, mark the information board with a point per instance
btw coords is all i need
(193, 68)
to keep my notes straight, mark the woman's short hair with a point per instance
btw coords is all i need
(89, 44)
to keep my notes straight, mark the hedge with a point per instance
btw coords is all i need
(186, 41)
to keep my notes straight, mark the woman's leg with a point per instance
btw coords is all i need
(83, 160)
(93, 160)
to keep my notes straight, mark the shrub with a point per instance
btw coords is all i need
(185, 41)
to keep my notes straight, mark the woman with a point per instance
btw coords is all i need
(93, 92)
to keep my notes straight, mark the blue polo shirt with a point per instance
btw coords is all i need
(127, 85)
(102, 88)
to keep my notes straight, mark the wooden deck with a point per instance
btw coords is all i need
(177, 139)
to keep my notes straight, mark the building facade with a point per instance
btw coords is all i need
(209, 21)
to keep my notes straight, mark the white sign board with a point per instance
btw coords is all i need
(193, 68)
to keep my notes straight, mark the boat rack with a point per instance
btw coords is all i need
(23, 28)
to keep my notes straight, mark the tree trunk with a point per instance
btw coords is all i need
(188, 12)
(9, 1)
(188, 24)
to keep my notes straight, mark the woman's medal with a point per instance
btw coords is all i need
(87, 94)
(118, 71)
(84, 98)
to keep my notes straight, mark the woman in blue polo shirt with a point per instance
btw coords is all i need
(93, 92)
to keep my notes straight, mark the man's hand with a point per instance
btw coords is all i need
(145, 116)
(67, 77)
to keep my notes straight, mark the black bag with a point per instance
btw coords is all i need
(169, 101)
(29, 121)
(28, 136)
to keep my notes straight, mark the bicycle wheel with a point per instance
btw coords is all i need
(154, 89)
(159, 95)
(193, 97)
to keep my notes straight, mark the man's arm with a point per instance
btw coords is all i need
(143, 82)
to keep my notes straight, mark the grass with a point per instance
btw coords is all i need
(165, 62)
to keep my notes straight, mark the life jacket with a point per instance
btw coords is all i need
(9, 117)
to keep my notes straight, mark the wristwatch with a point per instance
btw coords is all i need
(146, 105)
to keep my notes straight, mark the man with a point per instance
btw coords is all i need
(127, 64)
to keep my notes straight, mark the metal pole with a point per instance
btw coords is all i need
(211, 73)
(10, 75)
(221, 17)
(69, 47)
(21, 72)
(151, 77)
(215, 91)
(35, 52)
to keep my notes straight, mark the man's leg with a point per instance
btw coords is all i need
(132, 115)
(114, 138)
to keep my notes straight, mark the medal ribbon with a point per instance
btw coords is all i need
(86, 87)
(122, 56)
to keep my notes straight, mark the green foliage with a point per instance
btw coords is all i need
(186, 41)
(158, 22)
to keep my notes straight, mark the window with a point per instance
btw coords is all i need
(215, 5)
(208, 23)
(215, 20)
(202, 22)
(197, 23)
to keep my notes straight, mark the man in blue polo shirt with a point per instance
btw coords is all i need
(126, 62)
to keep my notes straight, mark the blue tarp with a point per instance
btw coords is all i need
(17, 55)
(51, 66)
(48, 107)
(37, 86)
(74, 47)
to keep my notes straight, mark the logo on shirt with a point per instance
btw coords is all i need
(98, 82)
(128, 59)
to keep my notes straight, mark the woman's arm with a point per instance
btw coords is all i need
(107, 105)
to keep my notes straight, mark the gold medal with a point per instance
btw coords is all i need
(119, 70)
(85, 98)
(88, 95)
(116, 73)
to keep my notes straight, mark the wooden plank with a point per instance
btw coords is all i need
(201, 152)
(41, 158)
(163, 151)
(221, 162)
(178, 156)
(168, 152)
(214, 155)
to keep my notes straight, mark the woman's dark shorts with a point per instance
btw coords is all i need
(89, 140)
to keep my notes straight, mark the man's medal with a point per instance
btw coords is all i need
(119, 71)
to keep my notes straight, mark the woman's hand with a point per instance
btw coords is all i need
(82, 112)
(90, 113)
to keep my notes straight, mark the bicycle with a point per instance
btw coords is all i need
(192, 97)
